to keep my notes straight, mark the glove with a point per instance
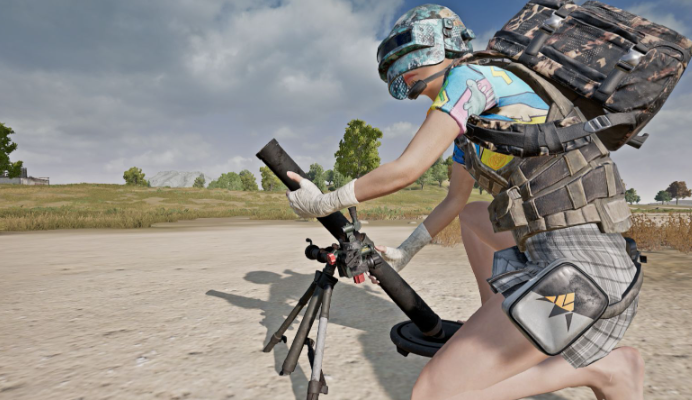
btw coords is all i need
(310, 202)
(398, 257)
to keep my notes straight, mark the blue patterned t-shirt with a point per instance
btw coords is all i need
(490, 92)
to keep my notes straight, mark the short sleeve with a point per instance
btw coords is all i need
(465, 91)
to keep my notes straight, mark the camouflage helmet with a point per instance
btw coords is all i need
(425, 35)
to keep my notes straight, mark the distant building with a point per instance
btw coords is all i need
(176, 179)
(23, 179)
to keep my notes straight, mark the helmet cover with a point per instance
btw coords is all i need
(423, 36)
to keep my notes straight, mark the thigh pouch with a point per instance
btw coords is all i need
(561, 302)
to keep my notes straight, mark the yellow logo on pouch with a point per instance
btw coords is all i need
(562, 305)
(564, 301)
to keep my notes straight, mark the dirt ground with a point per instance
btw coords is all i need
(182, 311)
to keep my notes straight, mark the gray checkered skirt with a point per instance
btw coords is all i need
(603, 256)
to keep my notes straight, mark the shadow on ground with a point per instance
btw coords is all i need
(351, 307)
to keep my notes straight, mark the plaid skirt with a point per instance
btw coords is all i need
(603, 256)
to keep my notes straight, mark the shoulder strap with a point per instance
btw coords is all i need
(554, 137)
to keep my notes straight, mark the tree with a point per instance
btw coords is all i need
(631, 196)
(329, 176)
(425, 178)
(270, 182)
(229, 181)
(135, 177)
(13, 169)
(316, 175)
(248, 180)
(663, 196)
(449, 162)
(357, 154)
(678, 190)
(439, 171)
(199, 182)
(339, 179)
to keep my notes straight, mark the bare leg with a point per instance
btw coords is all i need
(618, 376)
(481, 243)
(488, 358)
(486, 350)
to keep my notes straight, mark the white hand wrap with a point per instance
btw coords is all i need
(310, 202)
(400, 256)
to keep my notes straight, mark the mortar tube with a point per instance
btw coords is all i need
(274, 156)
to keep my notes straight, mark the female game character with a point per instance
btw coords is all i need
(489, 358)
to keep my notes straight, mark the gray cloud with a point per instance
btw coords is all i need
(654, 12)
(181, 84)
(400, 129)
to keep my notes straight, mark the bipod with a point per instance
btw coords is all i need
(318, 297)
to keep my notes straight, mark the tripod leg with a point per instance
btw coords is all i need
(311, 357)
(315, 382)
(279, 334)
(310, 313)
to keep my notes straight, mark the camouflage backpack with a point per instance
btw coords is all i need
(617, 69)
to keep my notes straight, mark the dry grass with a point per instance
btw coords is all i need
(115, 206)
(674, 232)
(657, 208)
(25, 208)
(449, 236)
(70, 218)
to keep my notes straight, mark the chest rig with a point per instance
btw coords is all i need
(541, 189)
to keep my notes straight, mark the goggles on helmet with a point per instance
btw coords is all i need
(423, 43)
(420, 35)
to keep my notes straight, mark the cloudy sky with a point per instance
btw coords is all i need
(95, 87)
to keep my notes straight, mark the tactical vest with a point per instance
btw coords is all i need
(551, 191)
(605, 73)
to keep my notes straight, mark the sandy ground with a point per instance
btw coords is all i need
(181, 311)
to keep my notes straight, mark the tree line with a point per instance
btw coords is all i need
(357, 155)
(676, 190)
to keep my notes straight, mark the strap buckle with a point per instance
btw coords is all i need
(629, 61)
(598, 124)
(551, 24)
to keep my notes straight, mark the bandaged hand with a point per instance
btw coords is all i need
(399, 257)
(310, 202)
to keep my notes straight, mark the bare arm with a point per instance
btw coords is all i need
(435, 135)
(460, 186)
